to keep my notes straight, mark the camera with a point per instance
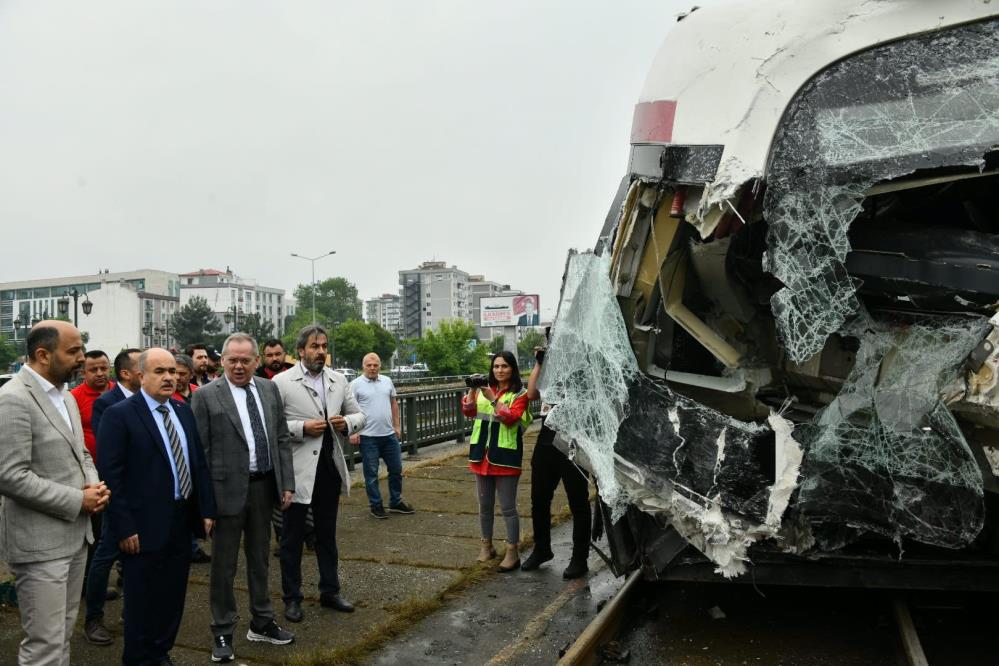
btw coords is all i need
(476, 381)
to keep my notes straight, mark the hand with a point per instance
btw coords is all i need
(355, 439)
(95, 498)
(209, 526)
(314, 427)
(338, 422)
(488, 393)
(286, 499)
(129, 545)
(398, 432)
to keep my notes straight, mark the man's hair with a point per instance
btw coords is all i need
(142, 360)
(274, 342)
(239, 337)
(308, 332)
(123, 361)
(95, 353)
(42, 337)
(192, 348)
(185, 360)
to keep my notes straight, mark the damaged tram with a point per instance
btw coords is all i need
(781, 360)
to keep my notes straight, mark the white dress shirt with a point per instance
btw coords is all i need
(316, 381)
(55, 395)
(239, 397)
(128, 394)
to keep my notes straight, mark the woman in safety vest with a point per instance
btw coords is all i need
(499, 406)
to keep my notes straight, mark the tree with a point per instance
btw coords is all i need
(384, 342)
(450, 349)
(336, 300)
(525, 348)
(195, 322)
(497, 344)
(8, 354)
(352, 340)
(257, 328)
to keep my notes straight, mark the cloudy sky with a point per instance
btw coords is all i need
(181, 134)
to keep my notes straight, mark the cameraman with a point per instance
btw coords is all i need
(548, 467)
(499, 406)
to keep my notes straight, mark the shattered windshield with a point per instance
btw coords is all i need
(934, 103)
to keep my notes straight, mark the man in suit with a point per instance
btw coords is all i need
(530, 316)
(148, 450)
(241, 421)
(318, 404)
(48, 490)
(126, 370)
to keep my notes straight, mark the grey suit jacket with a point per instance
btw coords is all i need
(43, 468)
(225, 443)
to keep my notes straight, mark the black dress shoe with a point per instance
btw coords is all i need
(200, 557)
(293, 611)
(336, 602)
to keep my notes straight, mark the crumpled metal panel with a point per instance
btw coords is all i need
(887, 456)
(924, 102)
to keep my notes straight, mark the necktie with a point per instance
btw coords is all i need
(183, 476)
(259, 434)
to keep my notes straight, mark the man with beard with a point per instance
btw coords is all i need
(242, 424)
(273, 359)
(50, 489)
(151, 455)
(318, 404)
(202, 364)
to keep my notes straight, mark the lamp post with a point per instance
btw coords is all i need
(231, 315)
(313, 261)
(64, 305)
(17, 327)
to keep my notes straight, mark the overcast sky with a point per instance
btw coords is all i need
(180, 135)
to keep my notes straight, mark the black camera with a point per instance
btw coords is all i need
(476, 381)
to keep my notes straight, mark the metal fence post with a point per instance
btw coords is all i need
(460, 418)
(412, 432)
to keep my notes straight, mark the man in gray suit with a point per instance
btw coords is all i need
(245, 436)
(48, 491)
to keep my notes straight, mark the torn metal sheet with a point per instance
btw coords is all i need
(886, 456)
(936, 104)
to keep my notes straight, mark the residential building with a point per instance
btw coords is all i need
(127, 309)
(386, 311)
(431, 293)
(234, 297)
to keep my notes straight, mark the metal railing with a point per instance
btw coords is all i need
(431, 417)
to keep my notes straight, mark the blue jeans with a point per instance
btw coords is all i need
(388, 449)
(104, 556)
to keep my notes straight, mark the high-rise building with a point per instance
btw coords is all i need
(234, 296)
(386, 311)
(432, 293)
(127, 309)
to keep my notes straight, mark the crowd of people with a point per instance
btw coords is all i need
(138, 468)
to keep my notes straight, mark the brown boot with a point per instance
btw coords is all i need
(96, 633)
(511, 559)
(487, 552)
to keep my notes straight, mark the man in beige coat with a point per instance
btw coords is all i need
(48, 490)
(320, 410)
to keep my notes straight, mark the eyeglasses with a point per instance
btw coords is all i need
(231, 360)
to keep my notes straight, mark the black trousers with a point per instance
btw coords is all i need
(548, 467)
(325, 506)
(155, 587)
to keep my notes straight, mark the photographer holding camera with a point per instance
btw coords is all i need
(499, 405)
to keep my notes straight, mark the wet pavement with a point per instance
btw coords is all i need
(419, 592)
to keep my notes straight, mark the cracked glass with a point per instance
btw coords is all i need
(934, 103)
(886, 455)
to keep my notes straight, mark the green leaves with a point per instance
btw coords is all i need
(195, 322)
(446, 350)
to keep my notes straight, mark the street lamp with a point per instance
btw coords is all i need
(313, 261)
(17, 327)
(231, 315)
(64, 305)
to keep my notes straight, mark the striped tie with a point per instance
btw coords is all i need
(183, 476)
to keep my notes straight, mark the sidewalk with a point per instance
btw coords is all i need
(396, 572)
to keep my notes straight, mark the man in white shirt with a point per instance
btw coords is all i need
(380, 438)
(50, 488)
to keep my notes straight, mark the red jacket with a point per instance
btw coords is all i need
(85, 397)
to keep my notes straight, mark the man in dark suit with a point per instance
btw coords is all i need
(149, 450)
(242, 424)
(126, 371)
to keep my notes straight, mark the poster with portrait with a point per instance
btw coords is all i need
(521, 310)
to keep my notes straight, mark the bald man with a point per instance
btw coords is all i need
(380, 437)
(50, 488)
(149, 451)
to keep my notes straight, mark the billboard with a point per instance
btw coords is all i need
(524, 310)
